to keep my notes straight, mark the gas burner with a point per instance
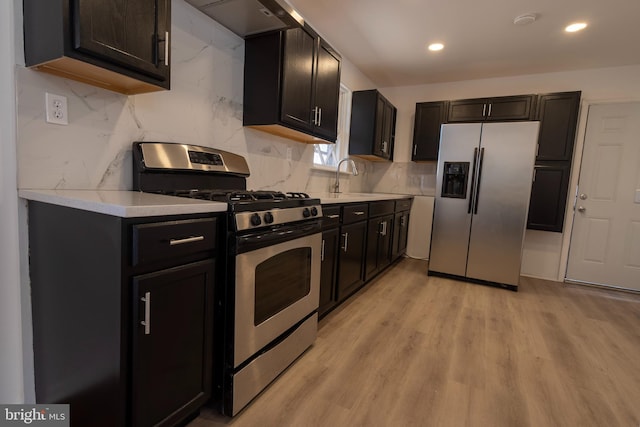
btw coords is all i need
(297, 195)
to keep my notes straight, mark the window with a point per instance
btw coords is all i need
(328, 155)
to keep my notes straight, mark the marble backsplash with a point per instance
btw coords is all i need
(203, 107)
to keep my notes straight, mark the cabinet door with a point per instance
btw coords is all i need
(329, 252)
(384, 122)
(297, 78)
(327, 91)
(378, 255)
(379, 133)
(351, 258)
(549, 196)
(133, 34)
(400, 234)
(426, 132)
(467, 110)
(172, 340)
(558, 115)
(384, 242)
(498, 109)
(507, 108)
(371, 259)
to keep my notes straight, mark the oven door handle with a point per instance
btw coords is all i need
(270, 237)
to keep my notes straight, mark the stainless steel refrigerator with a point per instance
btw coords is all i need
(484, 178)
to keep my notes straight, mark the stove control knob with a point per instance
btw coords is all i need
(255, 220)
(314, 211)
(268, 217)
(306, 213)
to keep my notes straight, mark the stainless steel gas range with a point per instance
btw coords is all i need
(268, 285)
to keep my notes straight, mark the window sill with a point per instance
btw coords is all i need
(329, 169)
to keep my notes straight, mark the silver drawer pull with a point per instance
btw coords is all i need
(322, 251)
(359, 213)
(333, 216)
(147, 313)
(173, 242)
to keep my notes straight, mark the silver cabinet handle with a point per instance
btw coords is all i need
(490, 105)
(322, 251)
(147, 313)
(320, 117)
(166, 48)
(384, 228)
(484, 109)
(359, 213)
(415, 149)
(402, 221)
(384, 146)
(346, 241)
(174, 242)
(333, 216)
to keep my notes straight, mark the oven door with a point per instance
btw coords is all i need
(277, 285)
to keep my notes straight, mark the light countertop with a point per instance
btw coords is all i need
(332, 198)
(125, 204)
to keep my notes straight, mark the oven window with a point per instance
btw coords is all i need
(280, 281)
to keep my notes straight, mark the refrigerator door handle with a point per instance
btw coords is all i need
(473, 179)
(475, 204)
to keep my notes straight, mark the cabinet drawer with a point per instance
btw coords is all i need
(330, 216)
(355, 213)
(381, 208)
(170, 239)
(403, 205)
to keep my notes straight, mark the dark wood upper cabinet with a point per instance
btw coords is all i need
(558, 115)
(501, 109)
(327, 91)
(297, 78)
(373, 122)
(292, 85)
(426, 132)
(122, 46)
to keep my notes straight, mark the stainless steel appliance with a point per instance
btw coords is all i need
(482, 197)
(268, 287)
(247, 17)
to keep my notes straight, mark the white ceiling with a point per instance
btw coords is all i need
(387, 40)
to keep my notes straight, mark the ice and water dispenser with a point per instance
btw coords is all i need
(454, 180)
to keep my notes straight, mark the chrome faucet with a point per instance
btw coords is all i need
(336, 186)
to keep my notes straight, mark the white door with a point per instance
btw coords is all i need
(605, 241)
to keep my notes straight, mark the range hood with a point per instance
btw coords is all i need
(247, 17)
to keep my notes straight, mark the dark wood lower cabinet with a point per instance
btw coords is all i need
(379, 235)
(328, 270)
(400, 234)
(351, 257)
(172, 343)
(94, 279)
(359, 240)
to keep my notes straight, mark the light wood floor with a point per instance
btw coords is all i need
(412, 350)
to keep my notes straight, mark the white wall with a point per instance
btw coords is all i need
(544, 252)
(11, 383)
(204, 107)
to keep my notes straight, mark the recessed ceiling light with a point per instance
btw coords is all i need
(575, 27)
(434, 47)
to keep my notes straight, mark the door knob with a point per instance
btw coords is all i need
(581, 209)
(583, 196)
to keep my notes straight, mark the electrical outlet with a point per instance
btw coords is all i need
(56, 109)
